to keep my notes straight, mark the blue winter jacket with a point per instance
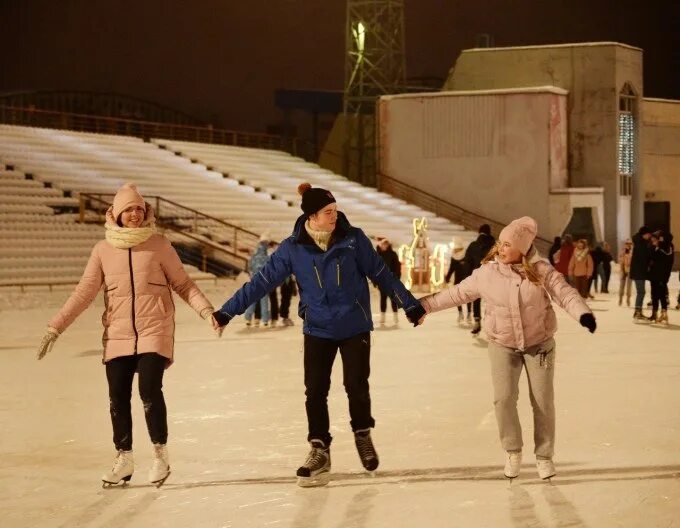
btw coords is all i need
(333, 286)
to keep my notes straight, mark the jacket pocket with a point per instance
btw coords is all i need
(157, 284)
(110, 288)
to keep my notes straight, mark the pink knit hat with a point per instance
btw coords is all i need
(126, 196)
(520, 234)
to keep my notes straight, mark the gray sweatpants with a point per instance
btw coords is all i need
(506, 368)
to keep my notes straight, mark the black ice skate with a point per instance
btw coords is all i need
(367, 454)
(477, 328)
(316, 469)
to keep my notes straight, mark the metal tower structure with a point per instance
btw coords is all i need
(374, 66)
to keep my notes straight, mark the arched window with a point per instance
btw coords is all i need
(627, 138)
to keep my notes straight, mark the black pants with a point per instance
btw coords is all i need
(120, 373)
(273, 306)
(477, 309)
(286, 294)
(469, 308)
(659, 295)
(606, 275)
(356, 368)
(383, 303)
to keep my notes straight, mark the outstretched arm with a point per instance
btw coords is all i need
(464, 292)
(371, 265)
(83, 295)
(181, 282)
(274, 273)
(565, 296)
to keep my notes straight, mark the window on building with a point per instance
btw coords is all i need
(627, 138)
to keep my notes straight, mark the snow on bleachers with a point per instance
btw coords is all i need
(279, 173)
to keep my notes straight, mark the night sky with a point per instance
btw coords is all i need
(221, 60)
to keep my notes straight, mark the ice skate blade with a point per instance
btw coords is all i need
(159, 483)
(107, 484)
(314, 482)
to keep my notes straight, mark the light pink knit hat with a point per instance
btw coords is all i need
(520, 234)
(126, 196)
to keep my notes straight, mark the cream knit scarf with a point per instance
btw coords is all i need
(320, 238)
(128, 237)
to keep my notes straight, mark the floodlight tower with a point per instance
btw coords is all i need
(374, 66)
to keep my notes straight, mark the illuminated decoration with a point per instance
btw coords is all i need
(438, 261)
(415, 257)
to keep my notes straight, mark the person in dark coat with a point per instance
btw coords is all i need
(597, 256)
(606, 267)
(563, 257)
(460, 270)
(384, 249)
(474, 255)
(660, 267)
(557, 245)
(639, 268)
(331, 261)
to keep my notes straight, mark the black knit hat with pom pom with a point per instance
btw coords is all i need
(314, 198)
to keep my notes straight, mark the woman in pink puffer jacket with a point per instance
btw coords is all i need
(137, 269)
(518, 288)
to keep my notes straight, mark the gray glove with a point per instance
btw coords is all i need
(47, 342)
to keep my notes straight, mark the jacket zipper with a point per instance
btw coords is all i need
(132, 283)
(337, 267)
(362, 309)
(318, 277)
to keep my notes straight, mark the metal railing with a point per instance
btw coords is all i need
(445, 209)
(209, 243)
(12, 115)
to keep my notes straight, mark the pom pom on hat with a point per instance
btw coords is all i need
(303, 187)
(520, 234)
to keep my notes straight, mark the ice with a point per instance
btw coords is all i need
(237, 428)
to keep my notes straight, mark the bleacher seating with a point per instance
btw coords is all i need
(46, 169)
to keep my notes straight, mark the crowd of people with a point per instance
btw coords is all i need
(646, 257)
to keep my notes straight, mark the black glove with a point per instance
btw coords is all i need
(415, 313)
(587, 320)
(221, 318)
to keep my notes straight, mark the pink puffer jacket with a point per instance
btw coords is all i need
(517, 313)
(140, 313)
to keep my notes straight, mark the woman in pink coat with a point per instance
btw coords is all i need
(137, 269)
(518, 288)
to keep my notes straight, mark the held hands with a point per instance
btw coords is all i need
(416, 314)
(587, 320)
(207, 314)
(219, 321)
(47, 342)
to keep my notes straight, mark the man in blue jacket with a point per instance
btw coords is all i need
(331, 261)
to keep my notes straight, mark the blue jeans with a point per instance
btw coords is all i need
(264, 309)
(639, 293)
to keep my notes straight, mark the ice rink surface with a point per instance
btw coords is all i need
(238, 429)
